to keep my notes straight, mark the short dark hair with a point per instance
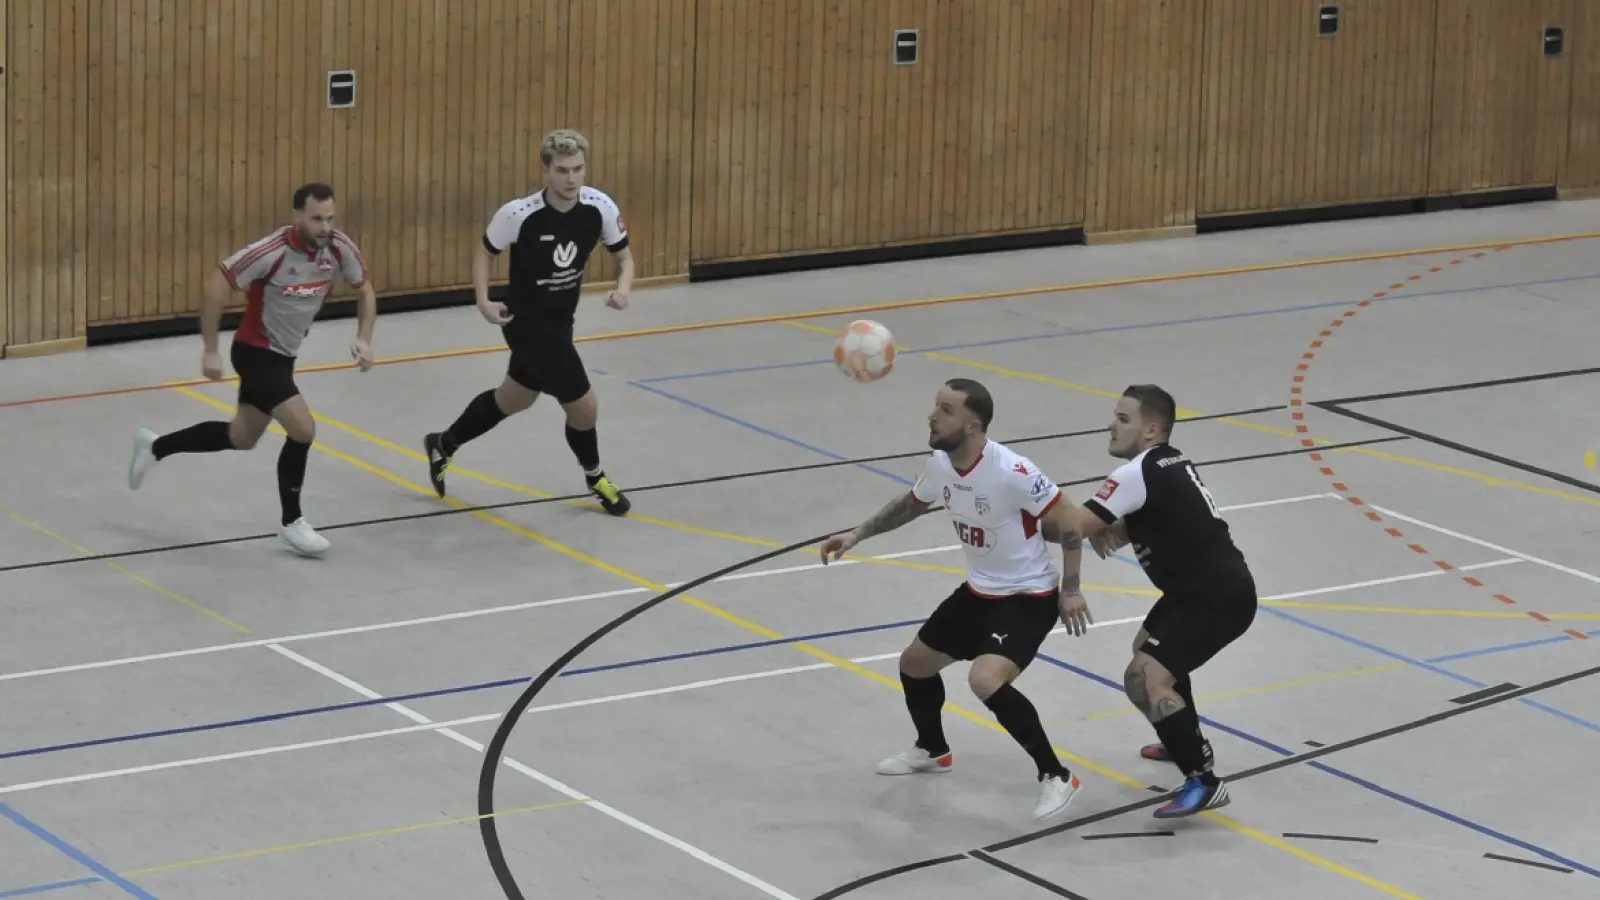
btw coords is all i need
(976, 398)
(1155, 404)
(316, 190)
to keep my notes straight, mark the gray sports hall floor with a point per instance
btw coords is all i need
(229, 721)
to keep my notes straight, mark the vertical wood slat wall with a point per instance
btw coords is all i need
(146, 139)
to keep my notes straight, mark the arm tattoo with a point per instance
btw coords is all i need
(895, 513)
(1071, 583)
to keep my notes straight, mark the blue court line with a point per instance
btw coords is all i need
(768, 432)
(1504, 648)
(1119, 557)
(1425, 665)
(47, 888)
(1134, 326)
(1353, 779)
(79, 856)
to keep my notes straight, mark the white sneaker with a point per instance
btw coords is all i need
(144, 457)
(303, 539)
(1054, 795)
(916, 760)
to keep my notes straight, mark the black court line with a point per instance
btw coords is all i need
(1486, 692)
(488, 773)
(1314, 744)
(1118, 835)
(1329, 837)
(1467, 386)
(669, 485)
(1528, 862)
(1248, 773)
(1025, 875)
(1457, 446)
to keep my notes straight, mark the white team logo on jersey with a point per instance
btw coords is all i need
(981, 504)
(565, 254)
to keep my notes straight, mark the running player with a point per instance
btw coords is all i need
(285, 277)
(1157, 502)
(551, 234)
(1013, 595)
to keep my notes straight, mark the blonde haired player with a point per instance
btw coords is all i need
(999, 503)
(550, 235)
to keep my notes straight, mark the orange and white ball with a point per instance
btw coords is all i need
(864, 350)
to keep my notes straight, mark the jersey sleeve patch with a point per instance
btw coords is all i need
(1122, 493)
(1036, 492)
(613, 227)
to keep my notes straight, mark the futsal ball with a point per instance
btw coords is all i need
(864, 350)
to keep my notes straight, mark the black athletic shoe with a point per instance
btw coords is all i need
(438, 462)
(611, 497)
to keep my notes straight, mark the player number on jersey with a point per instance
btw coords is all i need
(1210, 502)
(970, 535)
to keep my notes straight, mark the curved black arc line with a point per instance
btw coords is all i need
(496, 746)
(1273, 766)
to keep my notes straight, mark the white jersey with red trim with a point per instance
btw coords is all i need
(995, 507)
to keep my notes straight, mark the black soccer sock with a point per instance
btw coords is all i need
(291, 475)
(1180, 733)
(1018, 716)
(925, 702)
(481, 415)
(586, 447)
(206, 437)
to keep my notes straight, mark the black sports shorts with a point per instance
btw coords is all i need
(266, 377)
(546, 362)
(1187, 629)
(966, 626)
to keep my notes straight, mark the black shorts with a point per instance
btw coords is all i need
(266, 377)
(1186, 630)
(967, 626)
(546, 362)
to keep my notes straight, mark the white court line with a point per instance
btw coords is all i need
(546, 780)
(1377, 582)
(1482, 543)
(424, 724)
(497, 610)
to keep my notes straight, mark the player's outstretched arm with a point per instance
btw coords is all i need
(1059, 526)
(897, 512)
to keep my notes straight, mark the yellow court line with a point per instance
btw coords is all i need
(387, 444)
(819, 653)
(131, 574)
(347, 838)
(1243, 692)
(1185, 412)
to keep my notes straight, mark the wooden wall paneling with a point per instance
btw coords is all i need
(1499, 115)
(1145, 120)
(816, 141)
(1580, 169)
(1294, 119)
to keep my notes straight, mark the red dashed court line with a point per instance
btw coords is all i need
(1297, 414)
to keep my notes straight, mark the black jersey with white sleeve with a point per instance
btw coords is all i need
(1173, 524)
